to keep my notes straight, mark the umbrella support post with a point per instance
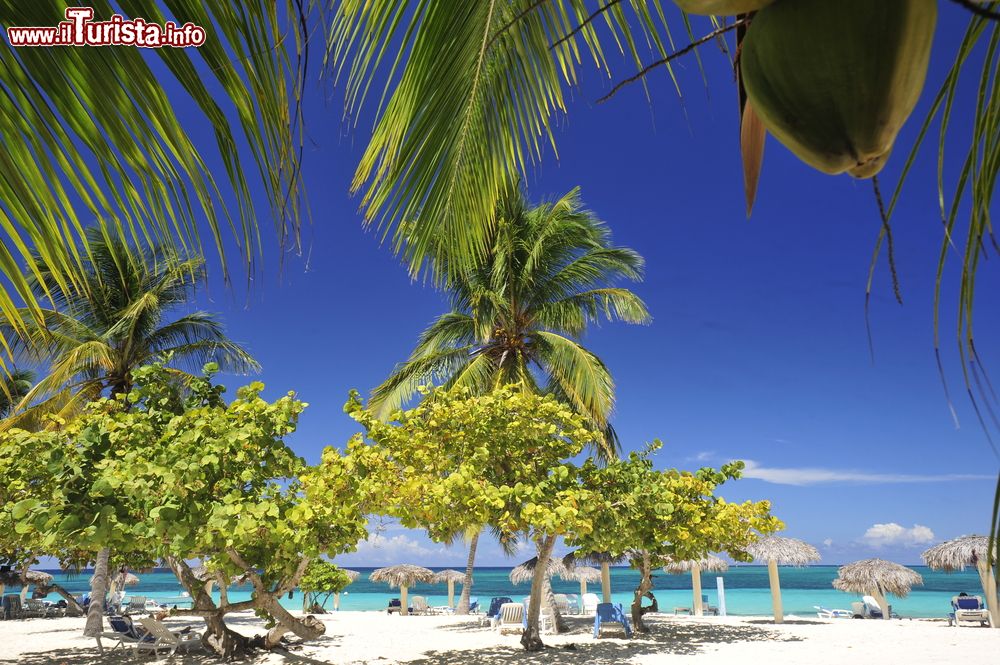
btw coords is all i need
(451, 593)
(606, 581)
(772, 575)
(882, 603)
(336, 602)
(696, 590)
(404, 605)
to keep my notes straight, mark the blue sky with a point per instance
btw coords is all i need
(758, 349)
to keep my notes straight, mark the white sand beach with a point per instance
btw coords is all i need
(374, 637)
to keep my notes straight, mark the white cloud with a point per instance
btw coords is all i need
(828, 542)
(703, 456)
(380, 549)
(880, 535)
(817, 476)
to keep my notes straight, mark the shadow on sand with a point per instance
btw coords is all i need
(665, 637)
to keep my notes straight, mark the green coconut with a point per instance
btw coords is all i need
(834, 80)
(721, 7)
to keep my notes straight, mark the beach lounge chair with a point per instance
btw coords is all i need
(708, 608)
(35, 609)
(136, 605)
(474, 605)
(590, 602)
(824, 613)
(493, 614)
(611, 613)
(12, 607)
(124, 633)
(562, 603)
(420, 605)
(166, 640)
(969, 609)
(574, 603)
(511, 618)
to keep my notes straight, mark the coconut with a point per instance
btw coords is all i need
(721, 7)
(835, 81)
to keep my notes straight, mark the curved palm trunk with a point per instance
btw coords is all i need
(531, 638)
(98, 590)
(463, 602)
(558, 622)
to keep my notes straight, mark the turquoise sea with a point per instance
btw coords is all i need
(746, 589)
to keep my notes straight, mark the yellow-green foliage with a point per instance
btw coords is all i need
(158, 475)
(668, 514)
(459, 461)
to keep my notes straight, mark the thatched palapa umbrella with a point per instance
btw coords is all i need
(602, 559)
(710, 564)
(526, 571)
(581, 574)
(965, 551)
(403, 576)
(877, 577)
(449, 576)
(780, 551)
(34, 578)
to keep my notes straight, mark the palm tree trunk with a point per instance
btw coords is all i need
(463, 602)
(98, 589)
(531, 639)
(558, 623)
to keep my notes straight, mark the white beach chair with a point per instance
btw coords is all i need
(511, 618)
(418, 605)
(574, 603)
(968, 609)
(135, 605)
(562, 603)
(590, 602)
(165, 640)
(824, 613)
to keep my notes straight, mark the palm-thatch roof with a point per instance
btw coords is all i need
(402, 575)
(708, 564)
(784, 551)
(352, 575)
(593, 559)
(581, 573)
(448, 576)
(10, 577)
(870, 575)
(957, 553)
(526, 570)
(129, 579)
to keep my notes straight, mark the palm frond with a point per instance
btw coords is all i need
(87, 133)
(582, 377)
(467, 104)
(407, 377)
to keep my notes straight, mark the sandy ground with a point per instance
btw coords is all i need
(374, 637)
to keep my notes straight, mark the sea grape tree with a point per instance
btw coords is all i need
(461, 461)
(655, 516)
(181, 475)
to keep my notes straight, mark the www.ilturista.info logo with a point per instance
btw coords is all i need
(80, 30)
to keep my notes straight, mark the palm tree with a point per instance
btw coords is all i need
(14, 387)
(93, 339)
(518, 315)
(96, 337)
(93, 133)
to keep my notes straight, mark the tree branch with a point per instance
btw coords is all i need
(676, 54)
(586, 22)
(977, 9)
(507, 26)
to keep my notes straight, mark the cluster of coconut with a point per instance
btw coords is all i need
(832, 80)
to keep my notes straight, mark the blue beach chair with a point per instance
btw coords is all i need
(968, 609)
(474, 605)
(493, 614)
(611, 613)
